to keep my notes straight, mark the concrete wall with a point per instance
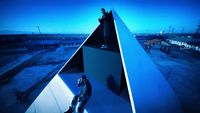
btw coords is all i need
(100, 63)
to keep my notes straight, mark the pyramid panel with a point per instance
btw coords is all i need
(103, 68)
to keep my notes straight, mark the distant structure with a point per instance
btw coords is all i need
(182, 31)
(198, 28)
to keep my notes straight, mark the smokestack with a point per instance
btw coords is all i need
(198, 28)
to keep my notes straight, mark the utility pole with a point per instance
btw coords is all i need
(39, 29)
(169, 29)
(182, 30)
(40, 35)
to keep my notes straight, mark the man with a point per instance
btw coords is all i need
(104, 20)
(80, 100)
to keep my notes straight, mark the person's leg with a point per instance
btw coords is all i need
(105, 37)
(74, 102)
(82, 105)
(73, 105)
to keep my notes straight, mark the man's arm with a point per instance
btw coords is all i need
(82, 94)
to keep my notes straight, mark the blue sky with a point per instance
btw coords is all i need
(64, 16)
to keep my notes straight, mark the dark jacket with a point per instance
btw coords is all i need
(86, 90)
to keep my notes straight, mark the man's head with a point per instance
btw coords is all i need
(103, 11)
(82, 80)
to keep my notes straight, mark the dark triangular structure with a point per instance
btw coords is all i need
(123, 65)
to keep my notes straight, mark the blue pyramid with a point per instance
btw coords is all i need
(136, 86)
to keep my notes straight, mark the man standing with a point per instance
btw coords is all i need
(80, 100)
(104, 20)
